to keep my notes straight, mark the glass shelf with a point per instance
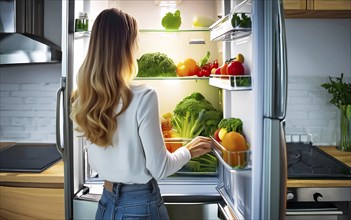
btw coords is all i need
(173, 78)
(81, 34)
(174, 31)
(84, 34)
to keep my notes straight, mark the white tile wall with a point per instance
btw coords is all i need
(317, 49)
(309, 110)
(28, 103)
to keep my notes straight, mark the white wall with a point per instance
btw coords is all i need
(28, 102)
(317, 48)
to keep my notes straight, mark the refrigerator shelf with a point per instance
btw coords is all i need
(233, 83)
(226, 30)
(86, 34)
(81, 34)
(172, 78)
(232, 161)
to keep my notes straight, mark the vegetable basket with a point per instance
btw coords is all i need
(205, 165)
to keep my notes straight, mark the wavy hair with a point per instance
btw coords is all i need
(104, 77)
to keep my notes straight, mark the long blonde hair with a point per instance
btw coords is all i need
(104, 77)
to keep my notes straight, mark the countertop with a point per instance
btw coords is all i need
(49, 178)
(53, 177)
(344, 157)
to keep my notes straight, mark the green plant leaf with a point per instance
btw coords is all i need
(348, 111)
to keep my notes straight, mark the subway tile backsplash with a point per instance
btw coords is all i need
(309, 110)
(28, 112)
(28, 103)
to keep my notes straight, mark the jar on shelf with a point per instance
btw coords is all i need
(82, 23)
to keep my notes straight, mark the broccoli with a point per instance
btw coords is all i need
(172, 21)
(194, 116)
(231, 124)
(156, 65)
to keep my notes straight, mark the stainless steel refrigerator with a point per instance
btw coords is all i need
(256, 191)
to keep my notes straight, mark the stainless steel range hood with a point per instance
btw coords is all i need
(22, 34)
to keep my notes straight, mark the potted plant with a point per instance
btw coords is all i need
(341, 98)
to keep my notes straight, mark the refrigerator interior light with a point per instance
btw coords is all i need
(168, 3)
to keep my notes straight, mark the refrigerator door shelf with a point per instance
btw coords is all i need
(223, 29)
(235, 189)
(231, 160)
(231, 83)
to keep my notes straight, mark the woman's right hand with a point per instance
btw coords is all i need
(199, 146)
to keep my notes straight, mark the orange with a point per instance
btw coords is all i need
(187, 67)
(235, 146)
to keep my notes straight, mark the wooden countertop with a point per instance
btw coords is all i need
(344, 157)
(53, 177)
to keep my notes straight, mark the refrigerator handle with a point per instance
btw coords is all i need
(283, 90)
(59, 93)
(283, 173)
(282, 82)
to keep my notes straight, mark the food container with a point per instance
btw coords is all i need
(82, 23)
(172, 144)
(232, 159)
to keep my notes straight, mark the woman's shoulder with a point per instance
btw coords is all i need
(142, 89)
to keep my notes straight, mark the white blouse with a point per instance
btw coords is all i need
(138, 152)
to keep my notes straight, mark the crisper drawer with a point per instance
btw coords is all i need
(234, 180)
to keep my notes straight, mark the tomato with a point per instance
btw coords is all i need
(235, 68)
(218, 71)
(206, 72)
(187, 67)
(199, 73)
(214, 64)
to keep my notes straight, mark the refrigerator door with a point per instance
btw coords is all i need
(274, 168)
(273, 203)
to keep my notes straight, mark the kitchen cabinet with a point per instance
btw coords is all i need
(295, 4)
(31, 203)
(33, 195)
(317, 8)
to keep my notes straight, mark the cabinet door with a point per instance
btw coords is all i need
(332, 5)
(31, 203)
(295, 4)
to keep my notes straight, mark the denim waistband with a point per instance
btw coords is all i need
(122, 187)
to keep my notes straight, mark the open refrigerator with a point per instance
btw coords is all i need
(255, 191)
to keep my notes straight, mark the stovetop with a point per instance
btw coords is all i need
(306, 161)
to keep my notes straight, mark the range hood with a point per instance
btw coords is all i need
(22, 34)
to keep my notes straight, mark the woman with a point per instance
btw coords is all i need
(121, 124)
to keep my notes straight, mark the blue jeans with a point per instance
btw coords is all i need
(132, 202)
